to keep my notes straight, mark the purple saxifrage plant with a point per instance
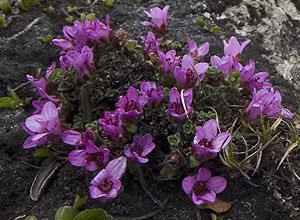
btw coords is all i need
(203, 188)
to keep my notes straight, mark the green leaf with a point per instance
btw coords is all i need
(26, 5)
(65, 213)
(32, 217)
(3, 23)
(200, 22)
(47, 39)
(131, 45)
(5, 6)
(108, 3)
(70, 19)
(93, 214)
(188, 127)
(91, 16)
(194, 162)
(131, 128)
(43, 152)
(169, 172)
(79, 202)
(12, 101)
(110, 93)
(174, 139)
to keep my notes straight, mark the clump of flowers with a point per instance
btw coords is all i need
(187, 101)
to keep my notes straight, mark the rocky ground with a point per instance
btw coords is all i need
(272, 25)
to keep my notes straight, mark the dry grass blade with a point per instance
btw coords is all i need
(183, 102)
(42, 178)
(290, 148)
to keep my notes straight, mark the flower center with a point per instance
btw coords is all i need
(97, 158)
(199, 188)
(178, 108)
(205, 143)
(106, 185)
(131, 106)
(137, 149)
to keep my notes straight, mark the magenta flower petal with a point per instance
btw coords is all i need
(209, 197)
(197, 199)
(217, 184)
(140, 147)
(203, 175)
(211, 129)
(158, 19)
(188, 184)
(35, 140)
(221, 140)
(77, 158)
(71, 137)
(116, 167)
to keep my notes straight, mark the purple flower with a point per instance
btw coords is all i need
(176, 108)
(43, 84)
(90, 157)
(234, 48)
(267, 102)
(226, 64)
(42, 126)
(188, 75)
(112, 125)
(254, 80)
(140, 147)
(168, 61)
(207, 142)
(197, 52)
(84, 33)
(158, 19)
(106, 185)
(82, 60)
(96, 31)
(77, 138)
(131, 106)
(203, 188)
(153, 93)
(151, 44)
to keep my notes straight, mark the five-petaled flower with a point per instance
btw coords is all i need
(226, 64)
(43, 84)
(188, 74)
(234, 48)
(90, 157)
(179, 105)
(158, 19)
(208, 142)
(106, 185)
(77, 138)
(82, 60)
(42, 126)
(112, 125)
(130, 107)
(168, 62)
(89, 32)
(254, 80)
(202, 188)
(140, 147)
(267, 102)
(151, 43)
(197, 52)
(152, 92)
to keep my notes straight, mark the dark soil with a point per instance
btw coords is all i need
(275, 196)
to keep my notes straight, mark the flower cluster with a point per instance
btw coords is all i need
(77, 51)
(119, 139)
